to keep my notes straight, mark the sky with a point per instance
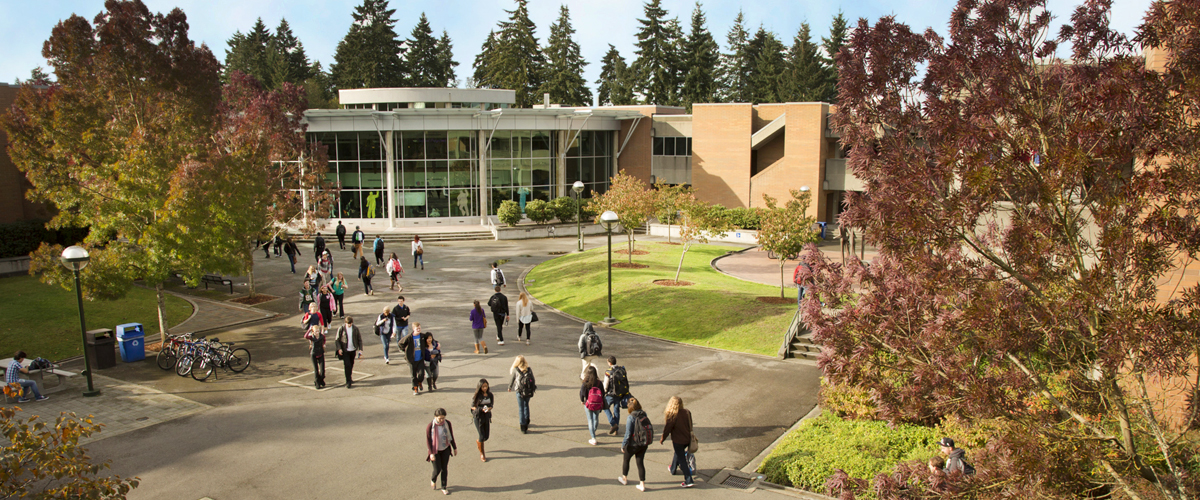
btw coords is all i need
(320, 25)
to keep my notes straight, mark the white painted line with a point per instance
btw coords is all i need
(308, 375)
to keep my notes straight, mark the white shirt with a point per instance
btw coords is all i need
(416, 245)
(350, 338)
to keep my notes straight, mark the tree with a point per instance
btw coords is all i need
(484, 70)
(109, 143)
(446, 62)
(511, 58)
(767, 81)
(832, 45)
(736, 65)
(564, 68)
(248, 53)
(614, 86)
(369, 55)
(318, 89)
(700, 58)
(45, 461)
(657, 65)
(668, 201)
(286, 60)
(785, 229)
(697, 223)
(422, 59)
(1027, 210)
(38, 76)
(807, 75)
(632, 201)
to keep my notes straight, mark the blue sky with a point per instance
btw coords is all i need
(26, 24)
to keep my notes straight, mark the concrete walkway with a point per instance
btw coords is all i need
(258, 436)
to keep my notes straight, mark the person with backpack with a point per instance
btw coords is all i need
(308, 295)
(385, 324)
(478, 323)
(395, 272)
(523, 382)
(591, 394)
(481, 412)
(801, 277)
(292, 251)
(316, 350)
(341, 235)
(358, 238)
(365, 273)
(590, 347)
(499, 306)
(433, 357)
(325, 266)
(377, 246)
(639, 433)
(955, 458)
(12, 375)
(677, 423)
(497, 276)
(439, 442)
(326, 304)
(616, 393)
(318, 247)
(414, 354)
(339, 293)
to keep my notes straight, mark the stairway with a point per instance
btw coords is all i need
(803, 347)
(393, 240)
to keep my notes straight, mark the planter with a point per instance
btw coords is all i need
(529, 231)
(14, 266)
(744, 236)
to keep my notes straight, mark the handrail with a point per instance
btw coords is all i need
(792, 332)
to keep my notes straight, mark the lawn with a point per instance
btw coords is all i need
(717, 311)
(43, 320)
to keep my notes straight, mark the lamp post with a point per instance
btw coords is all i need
(76, 258)
(578, 188)
(608, 218)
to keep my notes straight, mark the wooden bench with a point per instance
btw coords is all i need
(39, 376)
(217, 279)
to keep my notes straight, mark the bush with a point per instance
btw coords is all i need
(539, 211)
(509, 213)
(745, 218)
(18, 239)
(565, 208)
(847, 401)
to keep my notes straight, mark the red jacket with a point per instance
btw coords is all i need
(796, 274)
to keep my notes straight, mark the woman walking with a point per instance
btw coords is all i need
(478, 323)
(481, 410)
(384, 326)
(313, 278)
(325, 267)
(439, 441)
(591, 394)
(418, 252)
(316, 350)
(377, 245)
(365, 272)
(522, 381)
(327, 304)
(433, 358)
(678, 424)
(339, 292)
(638, 434)
(395, 272)
(524, 317)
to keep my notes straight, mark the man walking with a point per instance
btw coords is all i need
(357, 240)
(616, 393)
(377, 245)
(292, 252)
(499, 306)
(801, 277)
(590, 347)
(319, 247)
(307, 296)
(341, 235)
(349, 345)
(400, 314)
(497, 276)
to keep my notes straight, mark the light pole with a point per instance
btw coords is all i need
(608, 218)
(578, 188)
(76, 258)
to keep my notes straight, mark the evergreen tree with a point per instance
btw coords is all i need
(511, 59)
(446, 62)
(319, 90)
(286, 60)
(770, 69)
(482, 77)
(657, 65)
(701, 55)
(807, 73)
(564, 68)
(422, 60)
(37, 76)
(736, 65)
(369, 55)
(832, 45)
(613, 86)
(248, 53)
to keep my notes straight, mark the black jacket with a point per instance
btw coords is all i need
(955, 461)
(318, 245)
(498, 303)
(341, 231)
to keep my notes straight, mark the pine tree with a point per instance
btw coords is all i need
(422, 61)
(248, 53)
(700, 57)
(736, 65)
(446, 62)
(482, 76)
(832, 45)
(657, 65)
(511, 58)
(286, 60)
(319, 90)
(767, 79)
(369, 55)
(564, 68)
(613, 86)
(807, 79)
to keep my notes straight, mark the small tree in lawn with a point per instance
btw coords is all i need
(698, 222)
(668, 201)
(631, 199)
(786, 229)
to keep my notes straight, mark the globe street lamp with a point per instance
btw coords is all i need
(76, 258)
(578, 188)
(608, 218)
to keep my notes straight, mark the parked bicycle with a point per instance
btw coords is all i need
(215, 353)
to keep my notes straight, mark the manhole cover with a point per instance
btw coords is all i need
(427, 278)
(741, 483)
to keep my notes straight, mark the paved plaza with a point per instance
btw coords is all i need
(267, 433)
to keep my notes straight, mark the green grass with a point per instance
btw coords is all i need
(717, 311)
(43, 320)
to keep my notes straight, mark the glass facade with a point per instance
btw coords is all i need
(589, 159)
(436, 173)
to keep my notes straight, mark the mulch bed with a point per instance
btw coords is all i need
(776, 300)
(626, 265)
(669, 243)
(673, 283)
(635, 252)
(257, 299)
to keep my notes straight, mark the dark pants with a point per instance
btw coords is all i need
(441, 464)
(318, 251)
(292, 259)
(483, 425)
(640, 453)
(342, 241)
(319, 370)
(431, 372)
(417, 368)
(267, 249)
(528, 327)
(348, 363)
(418, 258)
(278, 244)
(379, 255)
(499, 319)
(326, 314)
(338, 300)
(367, 284)
(681, 460)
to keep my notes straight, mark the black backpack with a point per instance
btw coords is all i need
(526, 384)
(39, 364)
(643, 433)
(618, 383)
(592, 344)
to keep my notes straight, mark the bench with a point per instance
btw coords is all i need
(217, 279)
(39, 376)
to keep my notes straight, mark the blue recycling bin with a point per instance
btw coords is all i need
(132, 340)
(822, 229)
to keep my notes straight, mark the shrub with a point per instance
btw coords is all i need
(18, 239)
(43, 459)
(565, 208)
(509, 212)
(745, 218)
(539, 211)
(847, 401)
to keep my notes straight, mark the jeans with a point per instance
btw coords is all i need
(593, 420)
(681, 460)
(800, 290)
(292, 259)
(367, 284)
(29, 385)
(523, 410)
(418, 258)
(387, 345)
(612, 408)
(319, 370)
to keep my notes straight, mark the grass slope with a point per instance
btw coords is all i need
(718, 311)
(43, 320)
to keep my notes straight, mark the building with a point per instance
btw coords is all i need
(426, 156)
(13, 184)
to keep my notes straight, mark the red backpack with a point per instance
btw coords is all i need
(595, 399)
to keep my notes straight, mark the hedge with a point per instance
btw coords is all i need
(18, 239)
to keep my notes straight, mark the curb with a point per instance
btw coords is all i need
(713, 264)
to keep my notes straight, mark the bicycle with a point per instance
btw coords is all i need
(168, 354)
(215, 354)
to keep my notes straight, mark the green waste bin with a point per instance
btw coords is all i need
(101, 348)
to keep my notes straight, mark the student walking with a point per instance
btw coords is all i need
(384, 326)
(525, 318)
(277, 242)
(308, 295)
(365, 272)
(400, 313)
(478, 323)
(349, 346)
(523, 382)
(639, 432)
(377, 246)
(357, 239)
(326, 304)
(325, 266)
(616, 393)
(591, 395)
(418, 252)
(439, 441)
(313, 318)
(590, 346)
(339, 293)
(499, 306)
(497, 276)
(341, 235)
(318, 247)
(292, 252)
(677, 423)
(395, 272)
(481, 411)
(316, 351)
(433, 358)
(313, 277)
(411, 343)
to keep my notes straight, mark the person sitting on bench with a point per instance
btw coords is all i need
(11, 377)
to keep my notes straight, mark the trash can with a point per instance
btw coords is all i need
(131, 341)
(822, 229)
(101, 348)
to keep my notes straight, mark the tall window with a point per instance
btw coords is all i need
(589, 159)
(521, 166)
(435, 174)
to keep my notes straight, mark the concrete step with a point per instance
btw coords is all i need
(391, 240)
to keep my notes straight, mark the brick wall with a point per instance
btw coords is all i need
(721, 153)
(13, 205)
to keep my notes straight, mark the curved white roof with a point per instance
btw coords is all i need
(417, 94)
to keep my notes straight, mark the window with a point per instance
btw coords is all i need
(672, 146)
